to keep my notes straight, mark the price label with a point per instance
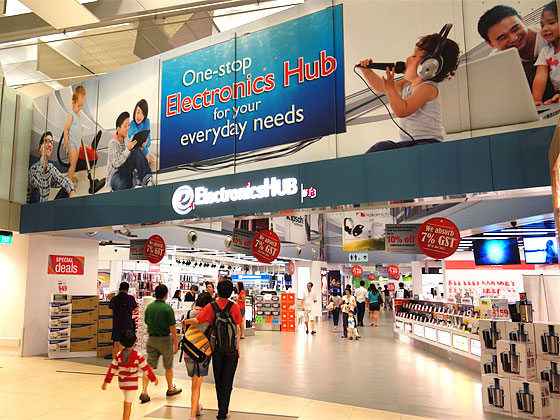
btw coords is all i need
(393, 270)
(500, 313)
(154, 249)
(266, 246)
(438, 238)
(391, 287)
(62, 286)
(371, 277)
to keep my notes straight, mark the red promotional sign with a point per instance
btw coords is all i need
(357, 271)
(391, 287)
(266, 246)
(371, 277)
(154, 249)
(66, 264)
(438, 238)
(397, 276)
(393, 271)
(292, 268)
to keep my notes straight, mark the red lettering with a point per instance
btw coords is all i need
(315, 74)
(171, 104)
(329, 62)
(207, 98)
(195, 97)
(297, 71)
(256, 89)
(236, 88)
(269, 82)
(223, 91)
(186, 104)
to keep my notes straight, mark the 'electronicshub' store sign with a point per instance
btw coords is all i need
(186, 198)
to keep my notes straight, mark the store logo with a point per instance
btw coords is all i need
(185, 198)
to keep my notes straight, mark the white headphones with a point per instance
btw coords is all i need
(431, 65)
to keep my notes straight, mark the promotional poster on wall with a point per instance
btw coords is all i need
(306, 84)
(365, 231)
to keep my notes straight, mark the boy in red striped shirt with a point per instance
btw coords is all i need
(126, 365)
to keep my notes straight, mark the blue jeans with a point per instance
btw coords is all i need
(122, 179)
(335, 316)
(36, 195)
(391, 145)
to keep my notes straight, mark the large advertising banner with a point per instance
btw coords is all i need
(255, 91)
(306, 84)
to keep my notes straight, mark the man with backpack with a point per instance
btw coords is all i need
(225, 318)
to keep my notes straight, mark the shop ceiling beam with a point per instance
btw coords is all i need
(508, 161)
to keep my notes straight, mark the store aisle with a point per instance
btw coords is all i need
(376, 372)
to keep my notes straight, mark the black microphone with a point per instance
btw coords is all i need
(399, 66)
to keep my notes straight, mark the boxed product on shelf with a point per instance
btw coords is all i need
(516, 360)
(104, 309)
(83, 344)
(104, 336)
(530, 400)
(83, 316)
(59, 333)
(84, 302)
(496, 395)
(555, 409)
(490, 332)
(489, 363)
(61, 298)
(60, 308)
(83, 330)
(547, 339)
(61, 345)
(59, 321)
(520, 331)
(547, 371)
(103, 349)
(105, 322)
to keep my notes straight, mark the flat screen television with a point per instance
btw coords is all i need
(541, 250)
(496, 252)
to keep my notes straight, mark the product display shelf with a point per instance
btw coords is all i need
(144, 283)
(141, 327)
(268, 312)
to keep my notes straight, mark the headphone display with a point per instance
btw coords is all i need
(351, 229)
(431, 65)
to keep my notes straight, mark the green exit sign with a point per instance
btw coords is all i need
(6, 238)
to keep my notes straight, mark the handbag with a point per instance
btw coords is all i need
(330, 306)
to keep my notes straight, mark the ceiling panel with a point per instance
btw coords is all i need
(66, 14)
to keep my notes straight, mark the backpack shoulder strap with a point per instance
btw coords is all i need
(215, 307)
(228, 306)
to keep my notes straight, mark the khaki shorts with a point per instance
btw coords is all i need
(160, 346)
(307, 315)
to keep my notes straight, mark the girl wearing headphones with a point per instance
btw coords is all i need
(415, 98)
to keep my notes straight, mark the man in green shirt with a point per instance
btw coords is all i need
(160, 319)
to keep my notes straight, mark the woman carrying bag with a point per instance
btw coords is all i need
(334, 308)
(375, 299)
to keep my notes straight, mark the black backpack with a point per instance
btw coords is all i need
(223, 338)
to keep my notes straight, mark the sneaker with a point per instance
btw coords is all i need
(313, 332)
(174, 391)
(144, 398)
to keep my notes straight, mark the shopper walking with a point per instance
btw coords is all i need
(402, 293)
(361, 295)
(123, 307)
(387, 295)
(225, 318)
(309, 300)
(162, 340)
(197, 371)
(375, 300)
(334, 301)
(241, 296)
(347, 303)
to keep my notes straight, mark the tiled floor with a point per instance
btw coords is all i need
(291, 375)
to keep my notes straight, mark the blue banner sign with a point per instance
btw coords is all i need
(279, 85)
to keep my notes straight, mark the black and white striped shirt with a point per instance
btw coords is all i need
(44, 181)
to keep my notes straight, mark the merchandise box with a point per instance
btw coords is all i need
(59, 321)
(84, 316)
(104, 333)
(59, 345)
(530, 400)
(59, 333)
(60, 308)
(61, 298)
(520, 331)
(549, 371)
(490, 332)
(489, 363)
(85, 302)
(104, 309)
(83, 344)
(496, 395)
(83, 330)
(105, 322)
(516, 360)
(555, 409)
(547, 339)
(103, 349)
